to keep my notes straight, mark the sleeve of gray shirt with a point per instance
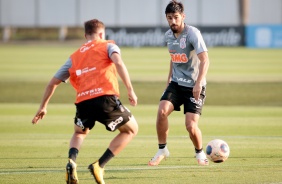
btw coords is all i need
(63, 72)
(112, 48)
(197, 40)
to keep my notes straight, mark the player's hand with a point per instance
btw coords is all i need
(197, 91)
(39, 115)
(132, 98)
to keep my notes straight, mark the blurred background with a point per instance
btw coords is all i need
(243, 104)
(137, 23)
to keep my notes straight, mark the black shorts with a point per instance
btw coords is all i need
(179, 95)
(108, 110)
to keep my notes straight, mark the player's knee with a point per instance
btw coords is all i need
(134, 126)
(191, 128)
(162, 114)
(135, 132)
(135, 129)
(131, 127)
(132, 132)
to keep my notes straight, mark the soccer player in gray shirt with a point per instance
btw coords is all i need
(186, 83)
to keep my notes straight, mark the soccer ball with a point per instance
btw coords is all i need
(217, 150)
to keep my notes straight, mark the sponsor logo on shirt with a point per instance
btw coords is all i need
(182, 43)
(90, 92)
(84, 70)
(184, 80)
(179, 58)
(85, 48)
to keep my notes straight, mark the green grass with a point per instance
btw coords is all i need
(245, 94)
(39, 62)
(243, 107)
(37, 153)
(237, 76)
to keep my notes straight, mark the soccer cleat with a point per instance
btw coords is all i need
(71, 175)
(202, 158)
(97, 172)
(160, 155)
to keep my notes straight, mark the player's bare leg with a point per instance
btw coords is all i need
(126, 134)
(165, 108)
(191, 122)
(78, 137)
(75, 144)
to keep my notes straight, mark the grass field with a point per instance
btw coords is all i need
(243, 107)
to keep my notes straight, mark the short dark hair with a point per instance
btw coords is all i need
(92, 26)
(174, 7)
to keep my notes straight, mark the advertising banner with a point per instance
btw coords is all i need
(153, 36)
(264, 36)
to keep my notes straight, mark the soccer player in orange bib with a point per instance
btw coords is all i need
(186, 84)
(92, 71)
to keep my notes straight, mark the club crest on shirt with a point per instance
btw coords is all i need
(182, 43)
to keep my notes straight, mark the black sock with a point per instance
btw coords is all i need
(162, 146)
(73, 152)
(198, 150)
(107, 156)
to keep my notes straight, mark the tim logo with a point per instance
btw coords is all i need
(79, 123)
(198, 103)
(113, 124)
(179, 58)
(85, 48)
(182, 43)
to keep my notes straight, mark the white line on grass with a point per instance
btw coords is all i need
(117, 168)
(107, 169)
(207, 137)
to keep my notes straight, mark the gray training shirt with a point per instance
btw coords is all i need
(63, 72)
(183, 51)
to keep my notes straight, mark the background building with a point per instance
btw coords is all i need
(142, 17)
